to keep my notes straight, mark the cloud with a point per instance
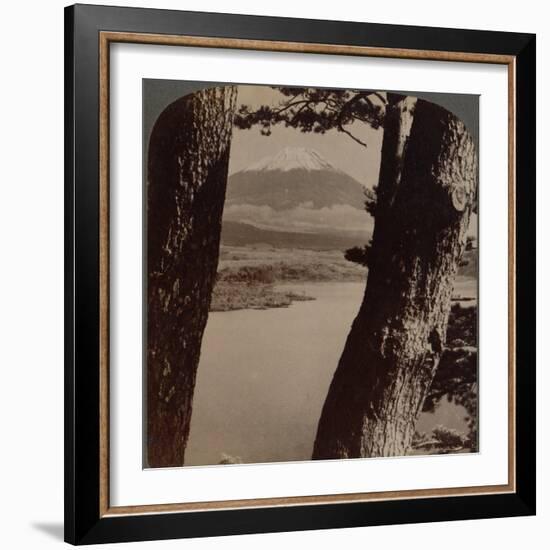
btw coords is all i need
(302, 218)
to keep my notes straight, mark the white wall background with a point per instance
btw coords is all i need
(31, 273)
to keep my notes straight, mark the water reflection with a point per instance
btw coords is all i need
(264, 375)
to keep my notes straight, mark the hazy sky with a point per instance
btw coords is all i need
(248, 146)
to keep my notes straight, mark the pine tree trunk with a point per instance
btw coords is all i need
(427, 189)
(187, 176)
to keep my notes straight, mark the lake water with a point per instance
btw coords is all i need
(264, 374)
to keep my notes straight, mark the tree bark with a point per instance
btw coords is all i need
(426, 192)
(187, 175)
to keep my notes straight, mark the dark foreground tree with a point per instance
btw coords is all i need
(426, 192)
(187, 167)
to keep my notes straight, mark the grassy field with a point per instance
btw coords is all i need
(233, 296)
(288, 264)
(247, 276)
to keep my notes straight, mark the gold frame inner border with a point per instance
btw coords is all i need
(108, 37)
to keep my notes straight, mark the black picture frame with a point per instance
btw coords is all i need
(84, 523)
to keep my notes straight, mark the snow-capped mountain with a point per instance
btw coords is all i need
(297, 191)
(294, 177)
(292, 158)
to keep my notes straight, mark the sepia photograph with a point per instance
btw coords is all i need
(310, 273)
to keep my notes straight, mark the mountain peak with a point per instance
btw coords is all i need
(292, 158)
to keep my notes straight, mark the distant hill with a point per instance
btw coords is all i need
(242, 234)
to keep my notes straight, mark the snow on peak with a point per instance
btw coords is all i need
(292, 158)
